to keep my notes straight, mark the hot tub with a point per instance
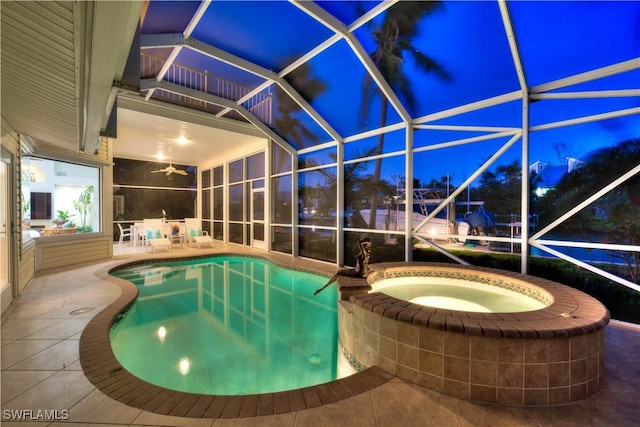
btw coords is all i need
(549, 355)
(463, 294)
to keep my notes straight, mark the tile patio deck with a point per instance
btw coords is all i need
(41, 371)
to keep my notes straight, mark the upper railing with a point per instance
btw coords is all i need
(260, 105)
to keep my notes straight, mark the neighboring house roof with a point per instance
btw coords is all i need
(551, 174)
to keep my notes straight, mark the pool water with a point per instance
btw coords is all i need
(457, 295)
(228, 326)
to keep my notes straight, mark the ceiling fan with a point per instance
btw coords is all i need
(169, 170)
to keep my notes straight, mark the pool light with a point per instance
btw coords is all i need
(184, 366)
(162, 332)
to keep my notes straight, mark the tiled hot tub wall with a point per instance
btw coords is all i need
(547, 357)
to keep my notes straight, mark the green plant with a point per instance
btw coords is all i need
(26, 205)
(64, 215)
(83, 205)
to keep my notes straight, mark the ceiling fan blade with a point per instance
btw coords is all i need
(159, 171)
(169, 173)
(181, 172)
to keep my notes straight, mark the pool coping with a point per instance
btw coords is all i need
(572, 312)
(105, 372)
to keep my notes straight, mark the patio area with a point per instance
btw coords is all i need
(41, 370)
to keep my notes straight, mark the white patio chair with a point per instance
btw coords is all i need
(124, 232)
(154, 235)
(195, 234)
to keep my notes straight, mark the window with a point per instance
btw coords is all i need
(59, 198)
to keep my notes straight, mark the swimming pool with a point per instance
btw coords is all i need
(227, 325)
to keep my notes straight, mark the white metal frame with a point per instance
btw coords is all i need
(524, 95)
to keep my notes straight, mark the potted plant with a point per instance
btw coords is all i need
(62, 219)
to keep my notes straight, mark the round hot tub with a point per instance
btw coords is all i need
(463, 295)
(547, 353)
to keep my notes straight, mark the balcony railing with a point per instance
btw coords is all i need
(260, 105)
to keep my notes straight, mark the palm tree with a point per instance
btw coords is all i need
(393, 39)
(353, 179)
(289, 127)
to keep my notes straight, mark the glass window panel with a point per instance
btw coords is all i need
(384, 247)
(136, 172)
(497, 190)
(258, 231)
(236, 171)
(281, 238)
(152, 60)
(255, 166)
(54, 189)
(317, 196)
(291, 122)
(508, 114)
(317, 244)
(206, 204)
(258, 206)
(249, 24)
(362, 191)
(236, 233)
(223, 79)
(443, 32)
(236, 202)
(168, 17)
(141, 203)
(258, 184)
(563, 184)
(206, 226)
(558, 146)
(428, 137)
(281, 204)
(218, 175)
(218, 203)
(438, 164)
(345, 105)
(282, 159)
(261, 105)
(550, 111)
(391, 142)
(627, 80)
(580, 37)
(622, 264)
(317, 158)
(218, 230)
(205, 177)
(348, 11)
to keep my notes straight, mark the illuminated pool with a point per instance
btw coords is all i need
(227, 325)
